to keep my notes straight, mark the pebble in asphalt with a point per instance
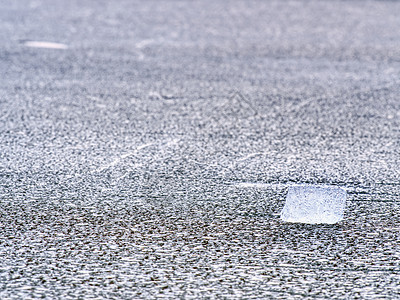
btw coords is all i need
(151, 156)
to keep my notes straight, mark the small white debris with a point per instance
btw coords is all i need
(48, 45)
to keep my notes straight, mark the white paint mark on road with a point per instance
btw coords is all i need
(47, 45)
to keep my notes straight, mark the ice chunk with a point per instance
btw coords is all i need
(314, 204)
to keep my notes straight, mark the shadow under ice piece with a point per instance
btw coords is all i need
(314, 204)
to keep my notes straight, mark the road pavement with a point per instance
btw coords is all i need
(146, 148)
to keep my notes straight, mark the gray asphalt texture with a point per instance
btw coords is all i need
(152, 157)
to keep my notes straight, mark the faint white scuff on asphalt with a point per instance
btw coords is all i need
(145, 43)
(268, 185)
(250, 156)
(118, 159)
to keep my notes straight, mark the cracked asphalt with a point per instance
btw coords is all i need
(146, 148)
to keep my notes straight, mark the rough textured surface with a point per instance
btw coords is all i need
(151, 156)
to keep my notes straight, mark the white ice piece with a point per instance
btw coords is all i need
(313, 204)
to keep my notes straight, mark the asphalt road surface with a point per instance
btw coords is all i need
(146, 148)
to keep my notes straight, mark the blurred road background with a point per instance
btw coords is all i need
(146, 148)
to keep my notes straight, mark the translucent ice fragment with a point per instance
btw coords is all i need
(314, 204)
